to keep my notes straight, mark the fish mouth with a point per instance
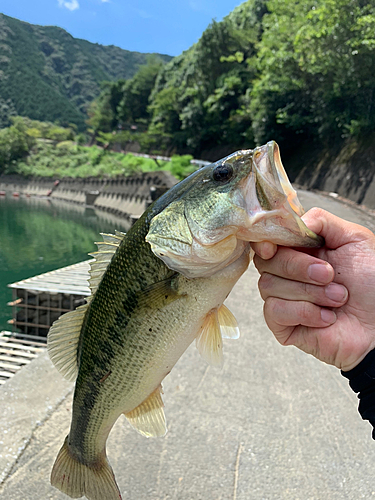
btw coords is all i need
(279, 170)
(277, 217)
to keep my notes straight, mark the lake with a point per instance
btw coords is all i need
(39, 235)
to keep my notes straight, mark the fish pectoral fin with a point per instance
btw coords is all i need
(228, 323)
(62, 342)
(209, 341)
(148, 418)
(160, 293)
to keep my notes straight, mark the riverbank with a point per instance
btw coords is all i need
(122, 195)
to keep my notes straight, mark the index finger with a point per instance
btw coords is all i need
(296, 266)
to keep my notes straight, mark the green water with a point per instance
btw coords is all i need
(40, 235)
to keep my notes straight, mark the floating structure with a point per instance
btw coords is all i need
(16, 352)
(41, 300)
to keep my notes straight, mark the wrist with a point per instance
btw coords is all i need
(362, 374)
(352, 366)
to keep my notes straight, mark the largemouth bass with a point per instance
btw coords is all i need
(154, 291)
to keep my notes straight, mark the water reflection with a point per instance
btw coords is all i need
(39, 235)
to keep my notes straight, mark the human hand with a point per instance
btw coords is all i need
(322, 300)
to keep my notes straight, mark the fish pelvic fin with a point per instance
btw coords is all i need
(148, 418)
(62, 342)
(228, 323)
(106, 250)
(218, 324)
(76, 479)
(209, 341)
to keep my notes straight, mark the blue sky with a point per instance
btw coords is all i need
(164, 26)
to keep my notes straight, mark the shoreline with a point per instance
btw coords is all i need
(122, 195)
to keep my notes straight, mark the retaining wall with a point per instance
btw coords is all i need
(348, 170)
(124, 195)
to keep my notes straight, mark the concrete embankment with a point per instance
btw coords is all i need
(348, 170)
(128, 195)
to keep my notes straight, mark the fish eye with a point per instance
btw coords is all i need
(223, 173)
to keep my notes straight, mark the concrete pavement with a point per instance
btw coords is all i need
(273, 424)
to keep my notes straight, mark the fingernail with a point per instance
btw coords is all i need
(320, 272)
(328, 316)
(336, 292)
(267, 250)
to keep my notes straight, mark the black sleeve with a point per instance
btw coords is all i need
(362, 380)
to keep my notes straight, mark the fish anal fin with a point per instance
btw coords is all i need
(209, 341)
(148, 418)
(228, 323)
(62, 342)
(76, 479)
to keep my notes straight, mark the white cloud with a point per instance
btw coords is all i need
(142, 13)
(69, 4)
(105, 1)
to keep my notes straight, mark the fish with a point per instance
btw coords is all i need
(155, 290)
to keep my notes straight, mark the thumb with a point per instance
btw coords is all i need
(265, 249)
(336, 231)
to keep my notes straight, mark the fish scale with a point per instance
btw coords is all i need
(154, 291)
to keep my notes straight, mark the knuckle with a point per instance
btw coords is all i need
(305, 311)
(265, 282)
(288, 264)
(272, 308)
(258, 263)
(317, 212)
(305, 289)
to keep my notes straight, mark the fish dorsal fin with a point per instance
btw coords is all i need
(228, 323)
(62, 342)
(148, 418)
(209, 342)
(63, 336)
(106, 249)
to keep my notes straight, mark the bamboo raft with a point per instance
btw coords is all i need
(16, 352)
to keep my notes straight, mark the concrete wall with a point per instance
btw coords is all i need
(22, 185)
(348, 170)
(123, 195)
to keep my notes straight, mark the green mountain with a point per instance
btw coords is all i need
(46, 74)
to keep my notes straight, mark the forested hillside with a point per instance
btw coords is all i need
(295, 72)
(46, 74)
(300, 73)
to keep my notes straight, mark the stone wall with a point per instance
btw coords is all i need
(123, 195)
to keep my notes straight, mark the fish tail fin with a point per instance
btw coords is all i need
(76, 479)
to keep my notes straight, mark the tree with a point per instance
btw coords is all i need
(315, 79)
(133, 106)
(15, 143)
(200, 95)
(103, 111)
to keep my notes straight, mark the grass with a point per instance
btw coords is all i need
(68, 159)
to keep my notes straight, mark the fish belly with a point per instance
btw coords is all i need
(156, 338)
